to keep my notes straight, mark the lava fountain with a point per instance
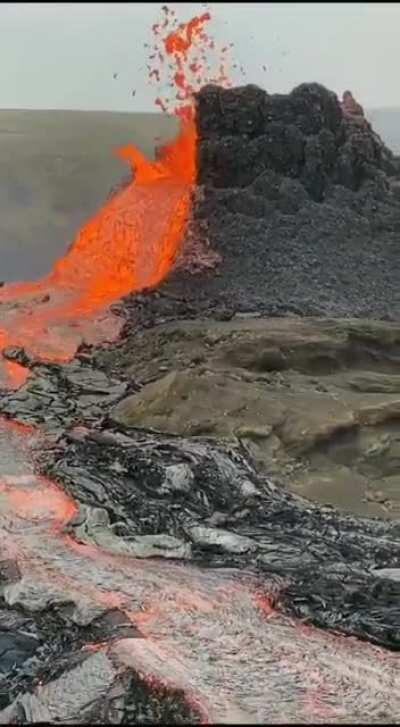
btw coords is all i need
(133, 240)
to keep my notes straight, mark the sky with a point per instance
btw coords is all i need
(64, 55)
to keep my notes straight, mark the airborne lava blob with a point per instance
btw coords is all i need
(133, 240)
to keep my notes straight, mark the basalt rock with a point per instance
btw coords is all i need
(330, 569)
(303, 135)
(300, 202)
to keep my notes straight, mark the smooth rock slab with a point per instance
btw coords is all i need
(215, 537)
(68, 698)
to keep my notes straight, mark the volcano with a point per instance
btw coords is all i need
(224, 328)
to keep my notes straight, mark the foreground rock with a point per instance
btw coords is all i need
(229, 515)
(311, 404)
(110, 635)
(314, 402)
(100, 688)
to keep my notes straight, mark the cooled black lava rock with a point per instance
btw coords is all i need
(333, 566)
(301, 204)
(244, 131)
(145, 705)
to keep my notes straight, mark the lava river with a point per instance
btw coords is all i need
(210, 633)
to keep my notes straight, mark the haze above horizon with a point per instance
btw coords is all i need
(92, 56)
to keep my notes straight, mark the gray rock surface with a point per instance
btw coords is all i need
(299, 203)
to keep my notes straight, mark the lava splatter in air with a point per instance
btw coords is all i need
(131, 243)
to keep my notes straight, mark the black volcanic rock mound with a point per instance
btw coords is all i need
(244, 133)
(300, 202)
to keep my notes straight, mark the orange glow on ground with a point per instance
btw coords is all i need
(262, 601)
(16, 373)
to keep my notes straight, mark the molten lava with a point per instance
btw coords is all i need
(133, 240)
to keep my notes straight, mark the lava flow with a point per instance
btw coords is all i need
(133, 240)
(209, 633)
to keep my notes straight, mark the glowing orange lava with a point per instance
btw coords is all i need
(133, 240)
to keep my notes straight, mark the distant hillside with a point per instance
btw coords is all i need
(56, 169)
(386, 123)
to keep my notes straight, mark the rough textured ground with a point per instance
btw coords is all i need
(315, 402)
(230, 406)
(172, 567)
(299, 205)
(213, 564)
